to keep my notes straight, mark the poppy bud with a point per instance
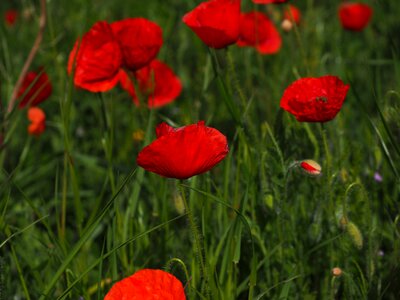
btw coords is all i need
(287, 25)
(336, 272)
(310, 167)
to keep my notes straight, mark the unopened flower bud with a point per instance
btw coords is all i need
(337, 272)
(310, 167)
(287, 25)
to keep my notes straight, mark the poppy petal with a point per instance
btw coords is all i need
(184, 152)
(315, 99)
(97, 59)
(215, 22)
(157, 81)
(256, 30)
(140, 41)
(354, 16)
(35, 88)
(147, 284)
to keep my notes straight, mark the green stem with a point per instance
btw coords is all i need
(328, 163)
(197, 238)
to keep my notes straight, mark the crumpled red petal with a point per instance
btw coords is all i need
(184, 152)
(140, 41)
(157, 81)
(35, 88)
(215, 22)
(256, 30)
(97, 58)
(312, 99)
(354, 16)
(147, 284)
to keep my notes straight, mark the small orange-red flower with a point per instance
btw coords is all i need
(354, 16)
(292, 14)
(257, 30)
(10, 17)
(215, 22)
(183, 152)
(156, 81)
(147, 284)
(38, 121)
(315, 99)
(140, 41)
(96, 59)
(35, 88)
(269, 1)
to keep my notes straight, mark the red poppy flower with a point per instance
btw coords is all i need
(156, 81)
(354, 16)
(256, 30)
(215, 22)
(183, 152)
(315, 99)
(269, 1)
(10, 17)
(140, 41)
(35, 88)
(292, 14)
(38, 119)
(147, 284)
(97, 59)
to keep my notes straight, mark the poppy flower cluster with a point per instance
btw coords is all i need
(147, 284)
(103, 56)
(354, 16)
(313, 99)
(183, 152)
(220, 23)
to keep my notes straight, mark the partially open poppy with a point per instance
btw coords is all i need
(156, 81)
(97, 57)
(315, 99)
(215, 22)
(354, 16)
(310, 167)
(38, 121)
(270, 1)
(35, 88)
(183, 152)
(140, 41)
(256, 30)
(147, 284)
(10, 17)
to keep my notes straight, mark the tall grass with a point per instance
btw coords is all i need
(77, 214)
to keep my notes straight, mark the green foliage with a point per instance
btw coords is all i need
(77, 215)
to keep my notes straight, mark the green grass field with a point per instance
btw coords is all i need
(77, 214)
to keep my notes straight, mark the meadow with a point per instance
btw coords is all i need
(77, 213)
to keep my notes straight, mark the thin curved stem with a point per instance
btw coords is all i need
(31, 56)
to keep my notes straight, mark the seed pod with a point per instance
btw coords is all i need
(355, 234)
